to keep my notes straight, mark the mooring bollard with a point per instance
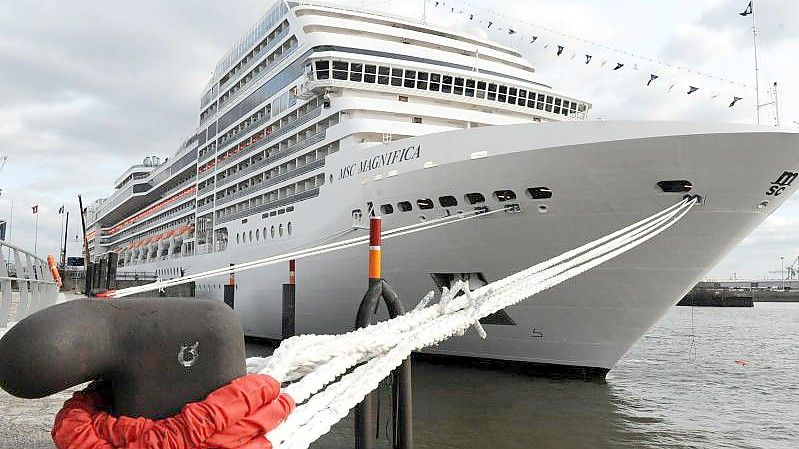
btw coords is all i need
(230, 290)
(402, 394)
(289, 302)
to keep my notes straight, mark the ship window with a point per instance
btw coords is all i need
(425, 204)
(272, 231)
(410, 79)
(417, 120)
(540, 193)
(369, 76)
(383, 73)
(264, 233)
(257, 235)
(504, 195)
(387, 209)
(322, 70)
(492, 92)
(405, 206)
(238, 239)
(470, 88)
(280, 230)
(475, 198)
(446, 84)
(435, 82)
(458, 86)
(356, 72)
(522, 97)
(288, 228)
(448, 201)
(396, 77)
(250, 236)
(422, 83)
(548, 108)
(340, 70)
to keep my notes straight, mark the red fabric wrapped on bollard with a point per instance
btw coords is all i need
(235, 416)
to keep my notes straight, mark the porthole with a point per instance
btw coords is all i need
(387, 209)
(675, 186)
(405, 206)
(257, 235)
(544, 209)
(540, 193)
(475, 198)
(238, 239)
(288, 228)
(425, 204)
(272, 231)
(504, 195)
(280, 230)
(250, 236)
(448, 201)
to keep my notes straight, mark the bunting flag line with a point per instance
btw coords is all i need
(516, 36)
(472, 11)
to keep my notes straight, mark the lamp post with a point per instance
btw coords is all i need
(782, 272)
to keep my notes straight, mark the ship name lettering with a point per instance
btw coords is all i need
(381, 160)
(782, 183)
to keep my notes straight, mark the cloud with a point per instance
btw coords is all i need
(91, 87)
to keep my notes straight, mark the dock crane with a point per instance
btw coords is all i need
(791, 271)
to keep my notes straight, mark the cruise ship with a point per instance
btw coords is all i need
(322, 116)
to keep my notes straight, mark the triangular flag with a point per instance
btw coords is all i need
(692, 90)
(618, 66)
(511, 32)
(490, 24)
(588, 59)
(652, 78)
(61, 210)
(535, 38)
(749, 10)
(735, 100)
(560, 49)
(35, 209)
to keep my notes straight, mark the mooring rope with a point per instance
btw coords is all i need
(301, 254)
(321, 367)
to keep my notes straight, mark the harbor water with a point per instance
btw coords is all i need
(666, 393)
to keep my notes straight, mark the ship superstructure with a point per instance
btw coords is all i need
(321, 116)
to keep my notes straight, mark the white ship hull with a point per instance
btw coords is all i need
(603, 176)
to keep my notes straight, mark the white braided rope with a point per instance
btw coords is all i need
(319, 360)
(302, 254)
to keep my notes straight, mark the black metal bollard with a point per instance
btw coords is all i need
(402, 394)
(289, 303)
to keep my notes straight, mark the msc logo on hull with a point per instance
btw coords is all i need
(782, 183)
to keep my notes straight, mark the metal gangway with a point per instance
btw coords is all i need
(26, 285)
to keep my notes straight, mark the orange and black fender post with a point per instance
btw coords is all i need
(230, 289)
(289, 302)
(366, 426)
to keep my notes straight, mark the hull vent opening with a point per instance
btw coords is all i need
(675, 186)
(476, 280)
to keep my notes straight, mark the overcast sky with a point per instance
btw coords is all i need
(90, 87)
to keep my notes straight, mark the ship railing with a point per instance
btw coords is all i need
(271, 182)
(297, 197)
(299, 146)
(249, 88)
(30, 276)
(275, 136)
(264, 52)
